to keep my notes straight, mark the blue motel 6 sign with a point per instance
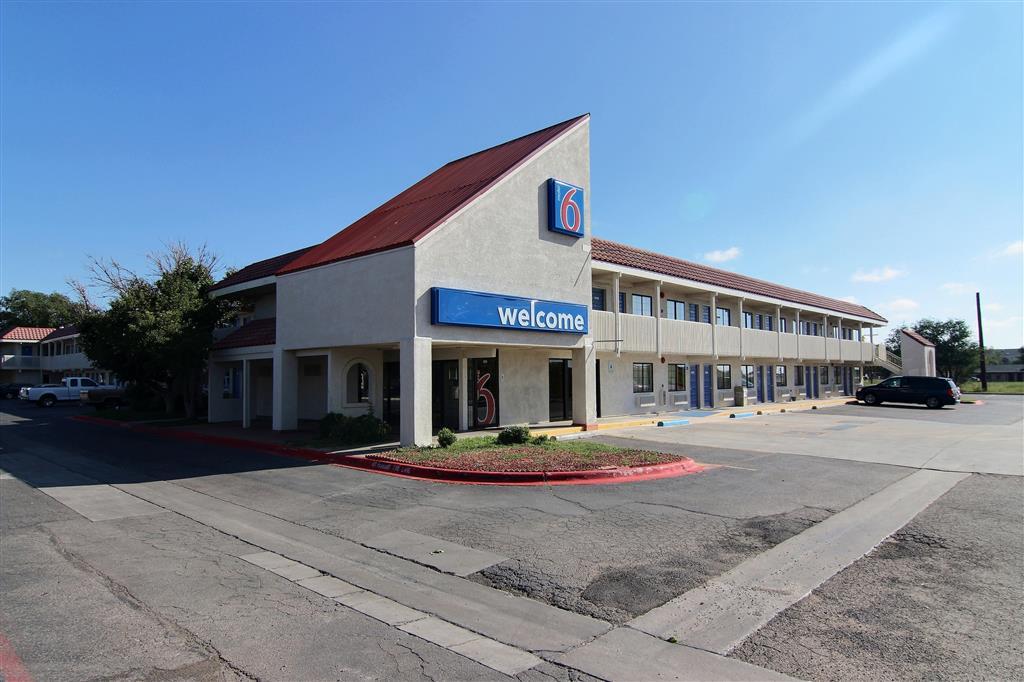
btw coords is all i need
(565, 208)
(478, 309)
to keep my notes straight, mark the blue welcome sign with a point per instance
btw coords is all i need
(478, 309)
(565, 208)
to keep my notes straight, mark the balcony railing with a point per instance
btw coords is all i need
(680, 337)
(760, 344)
(19, 361)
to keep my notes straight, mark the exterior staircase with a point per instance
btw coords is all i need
(886, 360)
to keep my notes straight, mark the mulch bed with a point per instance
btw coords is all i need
(529, 458)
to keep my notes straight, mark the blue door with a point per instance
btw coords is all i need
(770, 376)
(760, 384)
(817, 393)
(694, 386)
(709, 400)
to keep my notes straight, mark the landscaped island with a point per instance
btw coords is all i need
(486, 453)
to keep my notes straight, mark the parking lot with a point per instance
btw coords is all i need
(607, 553)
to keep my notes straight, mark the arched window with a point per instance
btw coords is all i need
(357, 384)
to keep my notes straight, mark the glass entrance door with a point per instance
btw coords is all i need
(483, 391)
(559, 389)
(445, 392)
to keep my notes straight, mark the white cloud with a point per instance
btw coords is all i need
(992, 307)
(901, 305)
(1011, 249)
(721, 256)
(958, 288)
(883, 274)
(849, 299)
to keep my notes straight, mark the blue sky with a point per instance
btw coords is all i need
(864, 150)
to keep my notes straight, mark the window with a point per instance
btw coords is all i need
(824, 375)
(783, 325)
(894, 382)
(677, 377)
(357, 384)
(747, 375)
(769, 323)
(748, 320)
(724, 373)
(758, 321)
(798, 380)
(622, 301)
(837, 374)
(694, 311)
(780, 375)
(814, 329)
(26, 349)
(597, 299)
(643, 377)
(723, 316)
(705, 314)
(88, 382)
(675, 310)
(641, 304)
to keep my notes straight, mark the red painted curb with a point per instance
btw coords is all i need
(11, 667)
(382, 465)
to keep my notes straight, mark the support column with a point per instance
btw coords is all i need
(657, 319)
(415, 358)
(286, 391)
(584, 385)
(464, 394)
(742, 327)
(246, 393)
(615, 307)
(336, 382)
(778, 329)
(714, 325)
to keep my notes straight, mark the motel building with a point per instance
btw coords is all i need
(479, 298)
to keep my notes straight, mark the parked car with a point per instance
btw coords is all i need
(10, 391)
(48, 395)
(931, 391)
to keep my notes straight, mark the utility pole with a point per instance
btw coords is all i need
(981, 343)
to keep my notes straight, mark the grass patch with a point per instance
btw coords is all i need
(484, 453)
(1004, 387)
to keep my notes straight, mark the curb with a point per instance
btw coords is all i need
(382, 465)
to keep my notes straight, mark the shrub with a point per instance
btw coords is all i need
(445, 437)
(514, 435)
(353, 430)
(541, 439)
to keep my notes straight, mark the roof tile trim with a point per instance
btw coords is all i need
(259, 269)
(630, 256)
(262, 332)
(917, 337)
(424, 206)
(25, 333)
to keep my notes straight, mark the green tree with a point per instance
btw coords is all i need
(956, 355)
(24, 308)
(158, 330)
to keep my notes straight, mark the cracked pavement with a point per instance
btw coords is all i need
(162, 597)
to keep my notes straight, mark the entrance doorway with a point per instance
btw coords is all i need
(559, 389)
(483, 391)
(445, 391)
(392, 395)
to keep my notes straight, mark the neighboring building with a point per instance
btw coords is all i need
(62, 356)
(917, 353)
(1008, 372)
(477, 297)
(19, 354)
(43, 355)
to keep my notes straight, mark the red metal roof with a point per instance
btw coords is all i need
(25, 333)
(917, 337)
(259, 269)
(407, 217)
(261, 332)
(629, 256)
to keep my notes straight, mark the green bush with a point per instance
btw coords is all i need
(514, 435)
(143, 399)
(353, 430)
(445, 437)
(541, 439)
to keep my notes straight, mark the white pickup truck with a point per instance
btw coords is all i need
(48, 395)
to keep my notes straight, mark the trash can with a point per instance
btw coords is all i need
(740, 395)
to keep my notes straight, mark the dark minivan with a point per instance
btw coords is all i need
(931, 391)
